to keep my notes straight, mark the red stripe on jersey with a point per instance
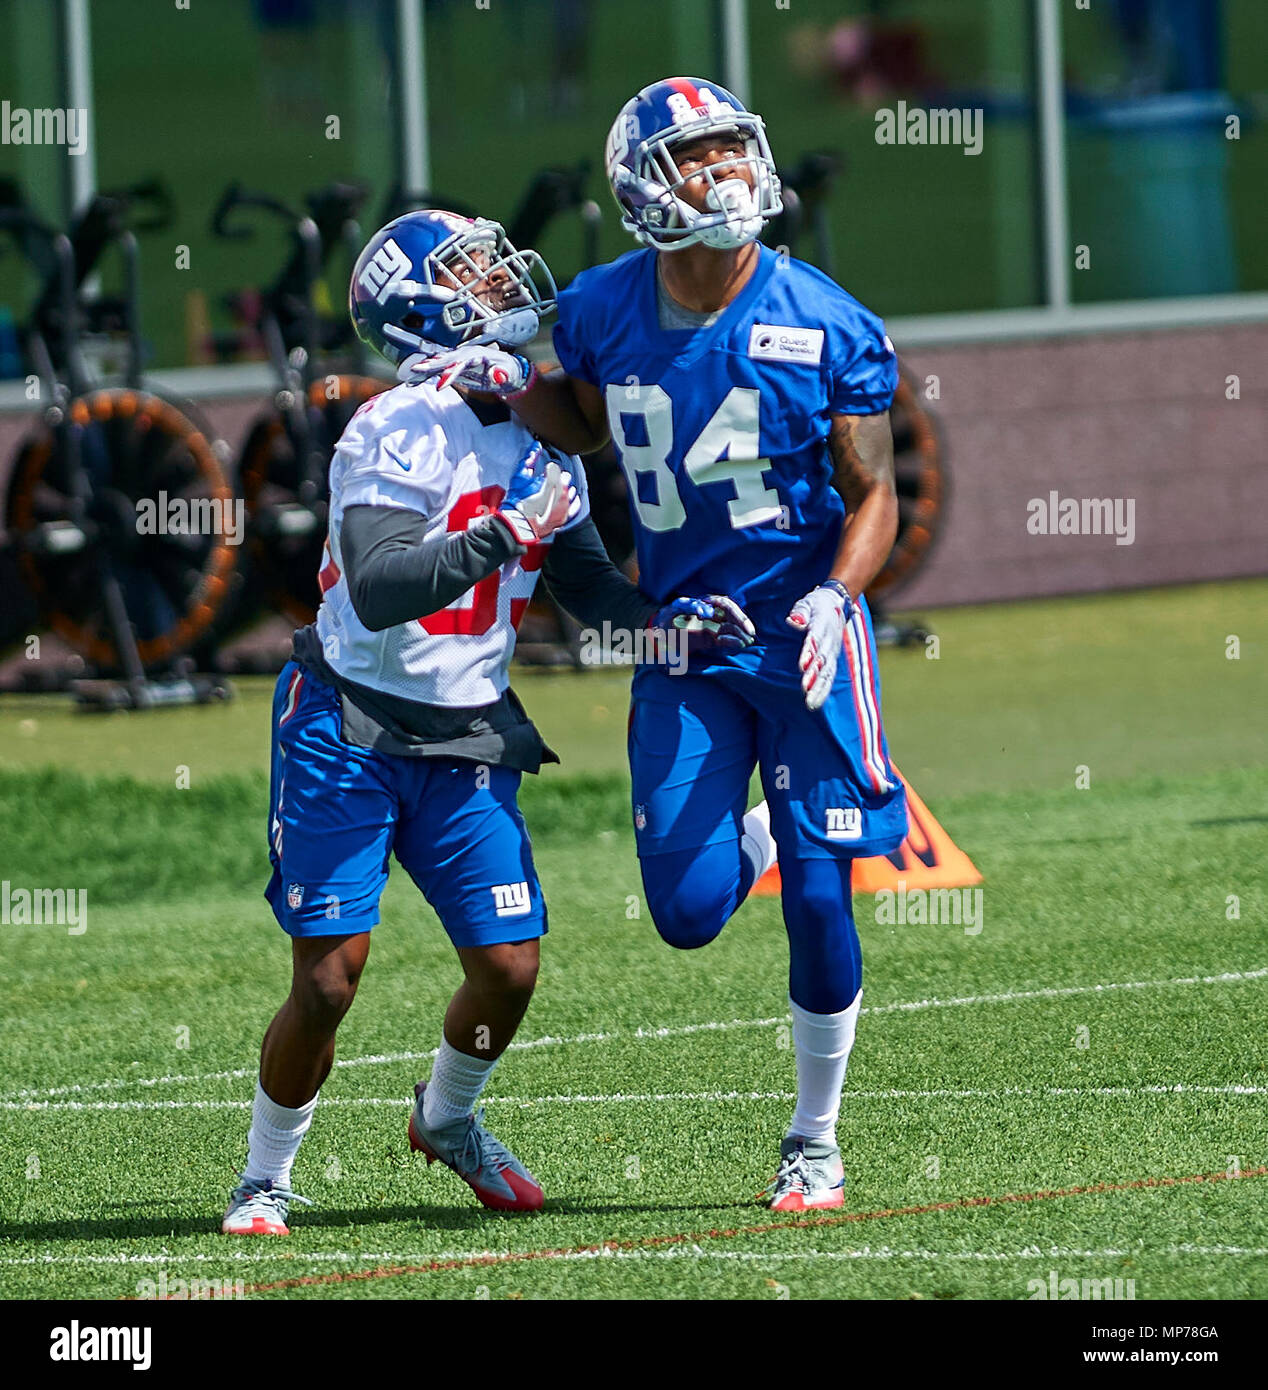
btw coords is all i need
(329, 574)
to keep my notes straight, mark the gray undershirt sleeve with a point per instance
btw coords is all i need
(588, 585)
(396, 573)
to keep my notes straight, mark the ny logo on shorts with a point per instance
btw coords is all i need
(843, 822)
(511, 899)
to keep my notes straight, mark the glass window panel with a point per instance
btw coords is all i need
(517, 88)
(245, 90)
(910, 228)
(30, 79)
(1165, 203)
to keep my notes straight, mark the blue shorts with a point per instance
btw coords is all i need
(337, 813)
(696, 737)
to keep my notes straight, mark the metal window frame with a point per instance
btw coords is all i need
(415, 147)
(80, 170)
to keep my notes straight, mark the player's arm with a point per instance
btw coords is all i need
(396, 572)
(585, 582)
(862, 452)
(564, 410)
(561, 409)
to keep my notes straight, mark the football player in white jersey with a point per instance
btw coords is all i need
(394, 727)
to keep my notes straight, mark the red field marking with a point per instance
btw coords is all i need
(693, 1238)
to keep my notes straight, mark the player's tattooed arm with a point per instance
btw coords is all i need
(564, 411)
(862, 451)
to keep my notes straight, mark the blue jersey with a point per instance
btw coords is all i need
(722, 430)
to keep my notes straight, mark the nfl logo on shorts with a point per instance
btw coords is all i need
(640, 818)
(295, 896)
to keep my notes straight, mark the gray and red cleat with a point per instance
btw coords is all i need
(810, 1176)
(489, 1169)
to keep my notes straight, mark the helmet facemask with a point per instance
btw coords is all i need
(490, 292)
(735, 211)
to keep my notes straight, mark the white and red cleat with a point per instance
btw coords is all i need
(258, 1208)
(811, 1176)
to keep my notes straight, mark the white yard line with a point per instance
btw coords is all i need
(314, 1257)
(648, 1097)
(679, 1031)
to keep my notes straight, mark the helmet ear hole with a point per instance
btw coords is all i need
(412, 320)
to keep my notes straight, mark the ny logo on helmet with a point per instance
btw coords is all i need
(382, 271)
(624, 129)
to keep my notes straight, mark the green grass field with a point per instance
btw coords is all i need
(1105, 1031)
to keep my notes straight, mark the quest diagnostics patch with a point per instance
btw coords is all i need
(786, 344)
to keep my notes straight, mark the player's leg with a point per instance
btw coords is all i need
(692, 752)
(825, 974)
(833, 796)
(461, 838)
(299, 1046)
(332, 812)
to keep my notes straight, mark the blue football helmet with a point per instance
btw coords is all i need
(646, 178)
(419, 288)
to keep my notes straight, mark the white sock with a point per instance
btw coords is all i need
(274, 1138)
(455, 1085)
(822, 1043)
(756, 843)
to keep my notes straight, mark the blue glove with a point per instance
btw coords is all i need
(540, 499)
(711, 622)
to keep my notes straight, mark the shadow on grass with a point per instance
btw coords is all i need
(131, 1227)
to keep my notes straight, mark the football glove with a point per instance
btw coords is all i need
(710, 622)
(822, 616)
(541, 498)
(477, 367)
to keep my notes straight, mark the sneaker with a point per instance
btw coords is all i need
(258, 1208)
(489, 1169)
(810, 1176)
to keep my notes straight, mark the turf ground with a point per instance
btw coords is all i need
(1099, 1045)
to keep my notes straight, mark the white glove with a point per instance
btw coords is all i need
(478, 367)
(540, 499)
(822, 616)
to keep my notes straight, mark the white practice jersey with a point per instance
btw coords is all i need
(426, 450)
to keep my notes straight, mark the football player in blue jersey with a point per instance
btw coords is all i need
(747, 397)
